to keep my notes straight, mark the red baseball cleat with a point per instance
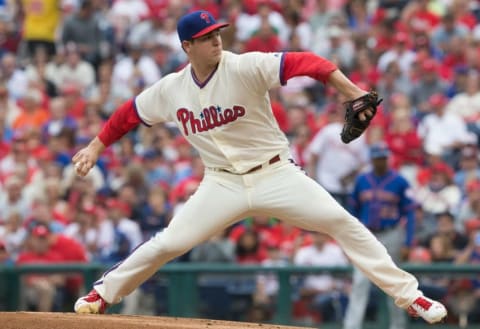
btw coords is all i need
(92, 303)
(428, 309)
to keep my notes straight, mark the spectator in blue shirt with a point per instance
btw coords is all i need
(380, 200)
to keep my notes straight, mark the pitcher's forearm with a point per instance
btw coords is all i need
(344, 86)
(97, 145)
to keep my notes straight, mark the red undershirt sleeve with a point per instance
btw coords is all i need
(124, 119)
(305, 64)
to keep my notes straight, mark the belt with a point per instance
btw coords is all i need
(260, 166)
(271, 161)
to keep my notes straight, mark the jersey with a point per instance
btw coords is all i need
(381, 202)
(204, 112)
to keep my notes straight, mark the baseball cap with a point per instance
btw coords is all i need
(379, 150)
(40, 231)
(120, 205)
(197, 24)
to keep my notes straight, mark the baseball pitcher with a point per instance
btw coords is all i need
(220, 103)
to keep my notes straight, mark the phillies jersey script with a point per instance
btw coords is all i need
(204, 112)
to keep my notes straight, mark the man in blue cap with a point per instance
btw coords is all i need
(220, 104)
(380, 201)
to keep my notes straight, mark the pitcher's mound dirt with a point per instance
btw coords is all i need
(37, 320)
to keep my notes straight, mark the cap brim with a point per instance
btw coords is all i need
(210, 29)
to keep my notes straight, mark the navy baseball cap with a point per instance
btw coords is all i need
(379, 150)
(196, 24)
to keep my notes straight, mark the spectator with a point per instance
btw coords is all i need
(332, 163)
(76, 71)
(440, 194)
(33, 116)
(122, 234)
(13, 234)
(15, 77)
(299, 31)
(156, 213)
(468, 167)
(403, 141)
(249, 22)
(469, 208)
(380, 199)
(457, 83)
(466, 104)
(135, 190)
(267, 229)
(38, 76)
(41, 289)
(364, 68)
(428, 84)
(455, 240)
(82, 29)
(157, 169)
(41, 21)
(339, 48)
(400, 53)
(393, 84)
(419, 16)
(59, 249)
(327, 293)
(84, 229)
(443, 33)
(129, 11)
(218, 249)
(13, 200)
(59, 119)
(135, 68)
(248, 249)
(443, 130)
(42, 214)
(264, 39)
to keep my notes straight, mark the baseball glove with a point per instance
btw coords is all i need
(354, 127)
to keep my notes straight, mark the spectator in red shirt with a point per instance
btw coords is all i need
(40, 290)
(403, 140)
(268, 230)
(418, 16)
(264, 40)
(248, 249)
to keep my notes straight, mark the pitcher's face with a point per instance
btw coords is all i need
(206, 49)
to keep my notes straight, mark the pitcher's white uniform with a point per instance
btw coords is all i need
(229, 121)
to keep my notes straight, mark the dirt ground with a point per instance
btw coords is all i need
(28, 320)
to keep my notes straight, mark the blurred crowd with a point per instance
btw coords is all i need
(65, 65)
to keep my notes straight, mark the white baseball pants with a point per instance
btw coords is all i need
(281, 190)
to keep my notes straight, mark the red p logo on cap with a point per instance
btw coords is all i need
(205, 17)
